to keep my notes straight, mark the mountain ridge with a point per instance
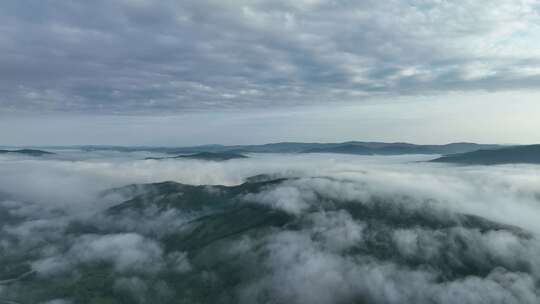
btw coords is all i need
(529, 154)
(347, 147)
(31, 152)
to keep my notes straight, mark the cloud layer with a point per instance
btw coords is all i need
(146, 56)
(337, 229)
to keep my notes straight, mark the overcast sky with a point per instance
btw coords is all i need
(194, 72)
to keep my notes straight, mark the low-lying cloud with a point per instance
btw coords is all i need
(334, 229)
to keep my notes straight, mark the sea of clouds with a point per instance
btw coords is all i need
(425, 246)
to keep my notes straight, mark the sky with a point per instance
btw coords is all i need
(238, 72)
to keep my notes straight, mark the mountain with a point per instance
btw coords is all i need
(350, 147)
(217, 213)
(188, 198)
(343, 149)
(31, 152)
(369, 148)
(205, 243)
(213, 156)
(529, 154)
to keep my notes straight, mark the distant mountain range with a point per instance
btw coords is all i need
(460, 153)
(529, 154)
(31, 152)
(351, 147)
(399, 148)
(214, 156)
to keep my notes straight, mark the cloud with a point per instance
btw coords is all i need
(288, 199)
(348, 228)
(299, 270)
(128, 251)
(139, 291)
(140, 57)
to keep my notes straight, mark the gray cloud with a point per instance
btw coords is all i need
(145, 56)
